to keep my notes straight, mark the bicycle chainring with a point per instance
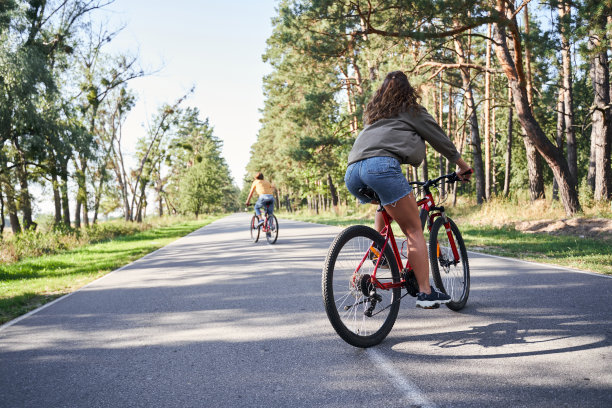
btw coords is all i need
(410, 282)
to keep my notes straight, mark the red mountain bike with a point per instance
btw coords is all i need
(269, 227)
(363, 273)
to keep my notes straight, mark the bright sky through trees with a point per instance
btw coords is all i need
(214, 45)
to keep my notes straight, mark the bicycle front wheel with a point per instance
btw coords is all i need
(272, 231)
(361, 314)
(451, 275)
(255, 228)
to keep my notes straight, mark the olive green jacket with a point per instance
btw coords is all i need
(403, 137)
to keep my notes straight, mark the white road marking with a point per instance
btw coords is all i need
(411, 392)
(552, 266)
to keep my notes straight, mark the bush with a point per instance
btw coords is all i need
(586, 194)
(50, 240)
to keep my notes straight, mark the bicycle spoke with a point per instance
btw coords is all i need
(361, 313)
(450, 274)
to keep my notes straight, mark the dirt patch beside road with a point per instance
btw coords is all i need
(597, 228)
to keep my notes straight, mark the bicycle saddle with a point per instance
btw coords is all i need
(369, 194)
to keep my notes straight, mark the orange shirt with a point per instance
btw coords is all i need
(262, 187)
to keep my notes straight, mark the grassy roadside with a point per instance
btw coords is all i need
(587, 254)
(32, 282)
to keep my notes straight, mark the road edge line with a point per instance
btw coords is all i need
(552, 266)
(39, 308)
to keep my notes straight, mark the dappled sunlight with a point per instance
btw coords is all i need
(108, 331)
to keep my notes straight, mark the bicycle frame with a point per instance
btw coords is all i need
(266, 227)
(426, 204)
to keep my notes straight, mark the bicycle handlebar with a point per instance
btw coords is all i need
(451, 178)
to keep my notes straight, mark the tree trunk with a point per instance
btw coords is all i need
(442, 162)
(534, 169)
(493, 147)
(25, 201)
(534, 132)
(332, 190)
(98, 197)
(508, 147)
(560, 133)
(84, 198)
(161, 205)
(449, 131)
(566, 55)
(77, 213)
(602, 118)
(2, 222)
(57, 200)
(534, 164)
(10, 204)
(64, 193)
(474, 132)
(487, 117)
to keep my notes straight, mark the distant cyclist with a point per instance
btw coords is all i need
(265, 190)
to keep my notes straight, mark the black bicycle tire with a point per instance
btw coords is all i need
(435, 266)
(255, 235)
(328, 295)
(274, 234)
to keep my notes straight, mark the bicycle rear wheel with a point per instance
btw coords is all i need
(272, 231)
(450, 276)
(255, 228)
(361, 314)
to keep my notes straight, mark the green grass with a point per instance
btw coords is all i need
(564, 250)
(32, 282)
(573, 252)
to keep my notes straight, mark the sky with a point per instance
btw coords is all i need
(213, 45)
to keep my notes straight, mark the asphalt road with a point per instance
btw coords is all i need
(214, 320)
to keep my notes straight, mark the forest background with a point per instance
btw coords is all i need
(522, 88)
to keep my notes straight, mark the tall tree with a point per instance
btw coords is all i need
(601, 132)
(516, 78)
(534, 163)
(565, 27)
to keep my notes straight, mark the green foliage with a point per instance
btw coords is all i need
(329, 56)
(199, 179)
(586, 193)
(200, 188)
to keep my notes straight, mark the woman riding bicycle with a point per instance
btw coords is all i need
(397, 127)
(265, 190)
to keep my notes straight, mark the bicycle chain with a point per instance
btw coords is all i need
(390, 304)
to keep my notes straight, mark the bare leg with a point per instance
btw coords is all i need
(405, 212)
(379, 222)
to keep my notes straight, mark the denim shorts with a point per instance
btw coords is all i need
(382, 174)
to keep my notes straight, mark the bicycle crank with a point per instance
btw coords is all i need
(410, 282)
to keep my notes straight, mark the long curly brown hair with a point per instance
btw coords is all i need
(395, 95)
